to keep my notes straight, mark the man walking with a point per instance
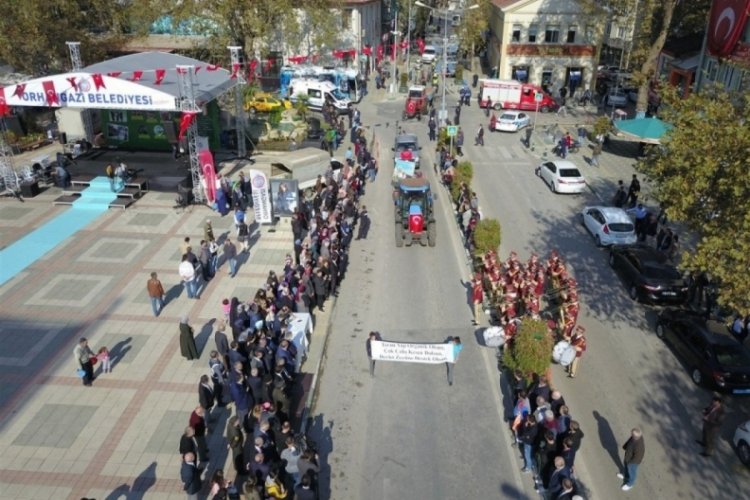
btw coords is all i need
(713, 416)
(635, 449)
(633, 191)
(432, 126)
(479, 140)
(83, 354)
(457, 347)
(190, 476)
(368, 346)
(187, 273)
(230, 255)
(156, 294)
(577, 342)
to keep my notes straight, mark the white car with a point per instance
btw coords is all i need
(512, 121)
(617, 98)
(429, 54)
(741, 442)
(562, 176)
(609, 226)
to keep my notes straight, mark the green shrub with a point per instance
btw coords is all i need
(274, 118)
(532, 348)
(464, 173)
(487, 236)
(602, 126)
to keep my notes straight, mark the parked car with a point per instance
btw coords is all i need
(429, 54)
(648, 274)
(617, 98)
(512, 121)
(562, 176)
(741, 442)
(264, 103)
(609, 225)
(708, 348)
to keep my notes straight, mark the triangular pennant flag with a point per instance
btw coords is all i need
(114, 74)
(137, 75)
(49, 92)
(72, 80)
(20, 89)
(197, 69)
(160, 74)
(4, 108)
(182, 71)
(98, 81)
(235, 70)
(212, 67)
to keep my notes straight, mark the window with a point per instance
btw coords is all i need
(313, 93)
(621, 33)
(572, 34)
(552, 34)
(590, 33)
(609, 29)
(516, 35)
(532, 33)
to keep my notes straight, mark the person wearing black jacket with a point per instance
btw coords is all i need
(190, 475)
(527, 437)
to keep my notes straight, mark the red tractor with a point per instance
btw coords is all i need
(414, 215)
(417, 103)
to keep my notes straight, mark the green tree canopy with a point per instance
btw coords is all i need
(532, 348)
(701, 175)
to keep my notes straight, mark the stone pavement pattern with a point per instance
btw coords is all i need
(60, 439)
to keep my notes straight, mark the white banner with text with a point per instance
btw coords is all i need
(412, 353)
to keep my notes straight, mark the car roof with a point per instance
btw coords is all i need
(563, 164)
(511, 112)
(417, 87)
(406, 138)
(647, 253)
(612, 214)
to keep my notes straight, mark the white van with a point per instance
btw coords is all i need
(318, 93)
(429, 54)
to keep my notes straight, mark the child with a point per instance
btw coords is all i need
(226, 308)
(103, 356)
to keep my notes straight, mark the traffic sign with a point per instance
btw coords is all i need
(452, 131)
(538, 96)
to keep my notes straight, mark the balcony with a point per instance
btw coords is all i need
(550, 50)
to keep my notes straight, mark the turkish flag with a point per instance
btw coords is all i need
(182, 71)
(72, 80)
(197, 69)
(235, 70)
(20, 89)
(267, 65)
(420, 44)
(137, 75)
(367, 50)
(726, 24)
(185, 122)
(380, 53)
(98, 81)
(212, 67)
(4, 108)
(160, 74)
(49, 92)
(338, 54)
(114, 74)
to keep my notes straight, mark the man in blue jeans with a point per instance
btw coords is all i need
(635, 449)
(230, 256)
(156, 294)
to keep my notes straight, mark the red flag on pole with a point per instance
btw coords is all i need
(72, 80)
(20, 89)
(49, 92)
(185, 122)
(197, 69)
(367, 50)
(137, 75)
(420, 44)
(114, 74)
(160, 74)
(98, 81)
(235, 70)
(4, 108)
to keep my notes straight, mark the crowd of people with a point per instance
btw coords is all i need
(253, 366)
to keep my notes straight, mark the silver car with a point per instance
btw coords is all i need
(609, 225)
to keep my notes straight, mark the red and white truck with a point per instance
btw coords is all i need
(511, 94)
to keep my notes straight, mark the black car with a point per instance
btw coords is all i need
(648, 274)
(707, 348)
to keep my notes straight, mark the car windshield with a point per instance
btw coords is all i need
(429, 52)
(621, 227)
(415, 94)
(569, 172)
(403, 146)
(507, 116)
(732, 355)
(658, 272)
(338, 94)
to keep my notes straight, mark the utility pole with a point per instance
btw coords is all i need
(408, 44)
(395, 55)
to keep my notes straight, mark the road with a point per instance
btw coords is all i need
(407, 431)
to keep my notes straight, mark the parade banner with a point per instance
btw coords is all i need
(412, 353)
(261, 197)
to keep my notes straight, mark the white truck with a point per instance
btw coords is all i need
(318, 93)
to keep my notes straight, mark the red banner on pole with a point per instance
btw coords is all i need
(209, 173)
(98, 81)
(367, 50)
(72, 80)
(235, 70)
(726, 24)
(20, 89)
(49, 92)
(4, 108)
(185, 122)
(137, 75)
(160, 74)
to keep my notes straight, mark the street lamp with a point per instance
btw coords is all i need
(445, 12)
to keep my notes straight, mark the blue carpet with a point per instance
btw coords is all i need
(93, 202)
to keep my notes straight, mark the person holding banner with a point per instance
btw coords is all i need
(368, 346)
(457, 347)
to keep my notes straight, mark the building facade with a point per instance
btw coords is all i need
(725, 58)
(553, 44)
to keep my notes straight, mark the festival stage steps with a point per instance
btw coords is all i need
(90, 190)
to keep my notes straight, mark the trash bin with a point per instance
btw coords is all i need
(474, 81)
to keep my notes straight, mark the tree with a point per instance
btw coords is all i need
(474, 25)
(486, 236)
(701, 175)
(33, 32)
(531, 350)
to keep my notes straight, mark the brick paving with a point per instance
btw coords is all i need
(120, 438)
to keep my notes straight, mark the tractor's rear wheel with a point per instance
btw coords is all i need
(431, 234)
(399, 235)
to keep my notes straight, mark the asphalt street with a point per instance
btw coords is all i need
(407, 431)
